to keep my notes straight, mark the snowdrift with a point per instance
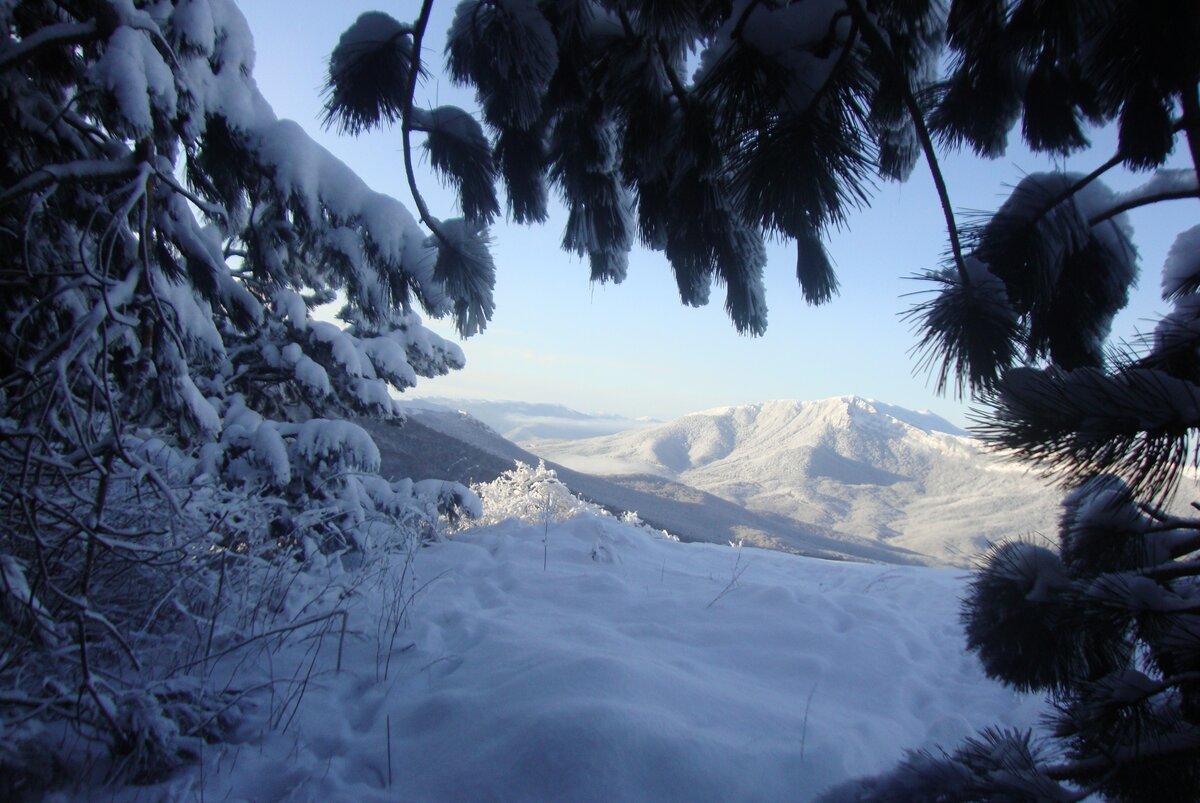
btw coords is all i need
(591, 659)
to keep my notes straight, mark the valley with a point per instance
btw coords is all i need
(844, 478)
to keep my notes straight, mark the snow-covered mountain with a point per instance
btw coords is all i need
(908, 480)
(521, 422)
(453, 445)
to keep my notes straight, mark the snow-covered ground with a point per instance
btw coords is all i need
(590, 659)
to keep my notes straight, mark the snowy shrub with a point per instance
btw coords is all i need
(173, 453)
(527, 493)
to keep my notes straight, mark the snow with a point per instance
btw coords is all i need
(134, 72)
(193, 322)
(308, 372)
(390, 360)
(791, 37)
(1163, 182)
(271, 452)
(292, 308)
(201, 409)
(1181, 271)
(1117, 232)
(341, 346)
(631, 667)
(193, 24)
(369, 30)
(865, 468)
(340, 442)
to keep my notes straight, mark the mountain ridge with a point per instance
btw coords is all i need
(456, 446)
(851, 464)
(520, 421)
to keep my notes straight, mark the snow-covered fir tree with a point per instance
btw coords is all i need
(172, 415)
(793, 108)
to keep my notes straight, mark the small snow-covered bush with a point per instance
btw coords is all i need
(529, 493)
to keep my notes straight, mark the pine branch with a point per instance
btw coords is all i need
(876, 40)
(664, 56)
(1075, 424)
(1163, 746)
(1173, 570)
(406, 122)
(61, 34)
(743, 19)
(677, 87)
(1191, 122)
(1145, 200)
(79, 170)
(843, 57)
(1114, 160)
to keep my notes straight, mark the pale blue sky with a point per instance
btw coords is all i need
(633, 348)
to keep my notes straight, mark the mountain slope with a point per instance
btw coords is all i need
(456, 446)
(601, 664)
(905, 479)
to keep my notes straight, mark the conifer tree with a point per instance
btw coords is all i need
(1106, 623)
(794, 108)
(171, 412)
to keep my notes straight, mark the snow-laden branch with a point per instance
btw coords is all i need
(1149, 746)
(60, 34)
(1145, 200)
(78, 170)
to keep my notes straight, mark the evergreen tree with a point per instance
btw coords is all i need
(170, 411)
(794, 108)
(1106, 623)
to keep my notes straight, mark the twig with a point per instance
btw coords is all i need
(406, 126)
(804, 724)
(341, 641)
(1191, 122)
(738, 571)
(212, 624)
(388, 720)
(267, 634)
(1146, 200)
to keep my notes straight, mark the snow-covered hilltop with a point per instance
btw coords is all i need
(589, 660)
(907, 479)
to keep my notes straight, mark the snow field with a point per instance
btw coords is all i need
(630, 668)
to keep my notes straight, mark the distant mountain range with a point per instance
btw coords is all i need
(905, 479)
(520, 422)
(846, 478)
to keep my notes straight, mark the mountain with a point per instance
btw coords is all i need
(521, 422)
(907, 480)
(437, 442)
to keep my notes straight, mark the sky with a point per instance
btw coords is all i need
(633, 349)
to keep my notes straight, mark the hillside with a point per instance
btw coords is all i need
(907, 480)
(521, 422)
(614, 665)
(456, 446)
